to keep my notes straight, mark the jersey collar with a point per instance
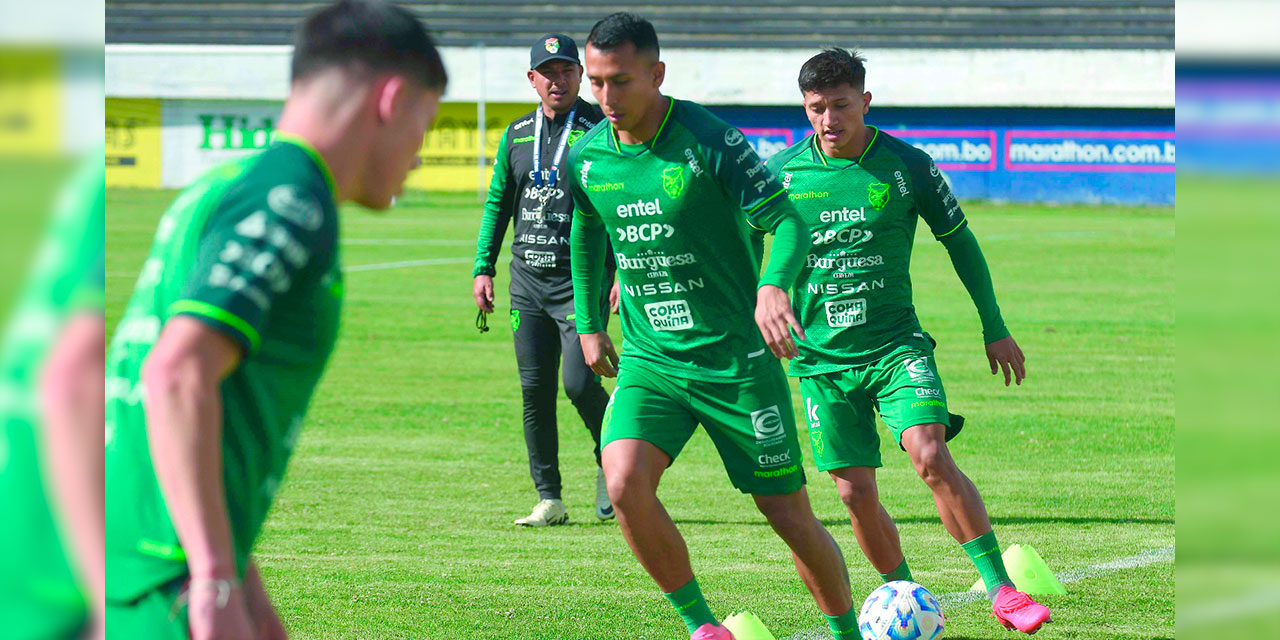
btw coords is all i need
(311, 151)
(617, 144)
(822, 157)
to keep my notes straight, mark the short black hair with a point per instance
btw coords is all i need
(832, 68)
(622, 27)
(378, 35)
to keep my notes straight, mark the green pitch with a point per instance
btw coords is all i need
(395, 519)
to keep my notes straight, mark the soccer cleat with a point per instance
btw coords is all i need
(604, 508)
(1016, 610)
(546, 513)
(710, 631)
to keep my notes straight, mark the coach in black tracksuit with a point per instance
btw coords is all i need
(530, 185)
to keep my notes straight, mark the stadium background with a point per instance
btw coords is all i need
(1066, 101)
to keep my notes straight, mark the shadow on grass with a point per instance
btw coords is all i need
(997, 521)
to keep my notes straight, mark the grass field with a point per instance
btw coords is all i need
(395, 519)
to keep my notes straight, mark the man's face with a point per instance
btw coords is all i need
(397, 139)
(624, 82)
(557, 83)
(836, 114)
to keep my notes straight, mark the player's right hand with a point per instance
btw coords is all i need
(598, 351)
(482, 291)
(216, 614)
(774, 316)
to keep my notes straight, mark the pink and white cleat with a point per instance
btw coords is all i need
(710, 631)
(1016, 610)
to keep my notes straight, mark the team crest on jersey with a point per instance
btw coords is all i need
(878, 194)
(552, 45)
(575, 135)
(673, 180)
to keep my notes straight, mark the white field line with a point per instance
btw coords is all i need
(380, 242)
(406, 263)
(1236, 607)
(356, 268)
(958, 598)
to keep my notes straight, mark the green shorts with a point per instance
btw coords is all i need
(751, 423)
(155, 615)
(904, 386)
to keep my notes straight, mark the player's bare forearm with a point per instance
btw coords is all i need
(774, 316)
(71, 396)
(184, 428)
(482, 292)
(599, 353)
(1005, 355)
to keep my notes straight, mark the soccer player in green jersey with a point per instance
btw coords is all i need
(861, 191)
(51, 569)
(232, 320)
(678, 191)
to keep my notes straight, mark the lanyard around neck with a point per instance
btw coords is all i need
(537, 147)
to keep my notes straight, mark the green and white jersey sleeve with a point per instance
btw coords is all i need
(679, 211)
(853, 296)
(250, 249)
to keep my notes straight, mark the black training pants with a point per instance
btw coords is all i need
(544, 337)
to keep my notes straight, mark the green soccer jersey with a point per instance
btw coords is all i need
(678, 210)
(40, 596)
(853, 296)
(250, 249)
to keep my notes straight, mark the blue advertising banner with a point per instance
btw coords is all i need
(1034, 155)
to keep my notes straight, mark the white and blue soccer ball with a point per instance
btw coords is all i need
(900, 610)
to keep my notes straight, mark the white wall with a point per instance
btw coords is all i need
(896, 77)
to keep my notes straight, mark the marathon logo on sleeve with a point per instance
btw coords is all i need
(671, 315)
(846, 313)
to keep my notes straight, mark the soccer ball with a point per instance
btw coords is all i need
(900, 610)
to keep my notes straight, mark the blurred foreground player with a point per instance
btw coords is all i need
(51, 557)
(232, 320)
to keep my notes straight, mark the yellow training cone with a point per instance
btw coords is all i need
(1028, 571)
(746, 626)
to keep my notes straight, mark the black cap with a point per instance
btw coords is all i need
(553, 46)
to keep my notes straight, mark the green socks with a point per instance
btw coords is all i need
(845, 626)
(984, 551)
(899, 573)
(692, 607)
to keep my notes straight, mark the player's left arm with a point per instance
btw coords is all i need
(72, 400)
(254, 250)
(763, 200)
(942, 212)
(70, 387)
